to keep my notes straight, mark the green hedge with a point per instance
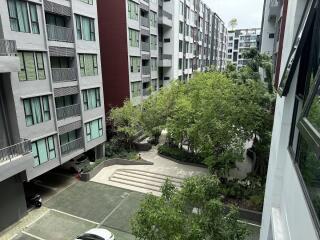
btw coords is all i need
(179, 154)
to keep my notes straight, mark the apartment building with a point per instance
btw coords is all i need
(240, 41)
(291, 206)
(51, 94)
(148, 43)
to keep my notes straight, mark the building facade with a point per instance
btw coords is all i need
(240, 41)
(291, 205)
(51, 94)
(158, 41)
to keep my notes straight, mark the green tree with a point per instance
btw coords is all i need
(126, 121)
(194, 212)
(233, 23)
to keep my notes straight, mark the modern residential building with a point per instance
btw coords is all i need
(291, 205)
(51, 94)
(157, 41)
(239, 41)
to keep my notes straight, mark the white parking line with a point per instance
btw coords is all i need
(38, 218)
(124, 197)
(68, 214)
(58, 192)
(34, 236)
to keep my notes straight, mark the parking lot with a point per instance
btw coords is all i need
(72, 207)
(83, 206)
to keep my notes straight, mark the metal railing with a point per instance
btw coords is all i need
(144, 22)
(163, 13)
(63, 74)
(145, 46)
(68, 111)
(72, 146)
(165, 57)
(145, 70)
(19, 149)
(61, 34)
(146, 92)
(8, 47)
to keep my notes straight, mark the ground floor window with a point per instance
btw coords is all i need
(43, 150)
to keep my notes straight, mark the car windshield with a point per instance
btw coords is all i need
(88, 236)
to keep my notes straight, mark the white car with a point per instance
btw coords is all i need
(96, 234)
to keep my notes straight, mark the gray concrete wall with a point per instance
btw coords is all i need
(12, 201)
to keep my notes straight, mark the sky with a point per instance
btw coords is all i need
(248, 12)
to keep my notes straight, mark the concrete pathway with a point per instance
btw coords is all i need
(147, 178)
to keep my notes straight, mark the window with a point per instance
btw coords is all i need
(91, 98)
(34, 18)
(69, 137)
(87, 1)
(180, 46)
(18, 15)
(181, 6)
(154, 84)
(85, 28)
(32, 66)
(94, 129)
(136, 89)
(57, 20)
(36, 110)
(133, 10)
(180, 63)
(135, 64)
(65, 101)
(43, 150)
(154, 42)
(153, 19)
(88, 65)
(154, 66)
(134, 38)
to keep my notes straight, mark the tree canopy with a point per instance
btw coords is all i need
(193, 212)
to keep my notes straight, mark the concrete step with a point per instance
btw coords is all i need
(143, 177)
(135, 184)
(154, 175)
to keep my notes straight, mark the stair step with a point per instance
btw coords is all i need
(145, 177)
(134, 184)
(155, 175)
(138, 180)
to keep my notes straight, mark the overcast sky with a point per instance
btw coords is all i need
(248, 12)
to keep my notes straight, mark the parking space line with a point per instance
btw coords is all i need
(80, 218)
(125, 196)
(31, 235)
(38, 218)
(58, 192)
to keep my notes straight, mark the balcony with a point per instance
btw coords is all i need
(145, 70)
(165, 60)
(145, 46)
(63, 74)
(12, 152)
(68, 111)
(144, 22)
(274, 9)
(15, 159)
(60, 34)
(8, 60)
(146, 92)
(72, 146)
(165, 18)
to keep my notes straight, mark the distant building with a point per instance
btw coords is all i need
(239, 41)
(147, 44)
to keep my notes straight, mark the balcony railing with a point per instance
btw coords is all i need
(145, 70)
(63, 74)
(144, 22)
(61, 34)
(145, 46)
(72, 146)
(165, 57)
(68, 111)
(7, 47)
(163, 13)
(19, 149)
(146, 92)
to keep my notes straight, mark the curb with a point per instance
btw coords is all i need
(183, 163)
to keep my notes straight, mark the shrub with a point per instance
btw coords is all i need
(179, 154)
